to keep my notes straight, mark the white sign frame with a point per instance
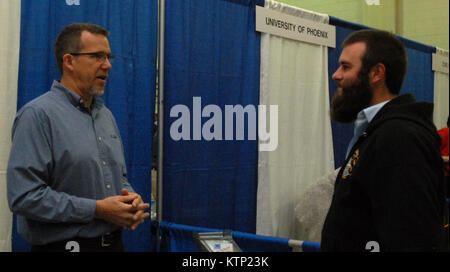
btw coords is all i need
(291, 27)
(439, 62)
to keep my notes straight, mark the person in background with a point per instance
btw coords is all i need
(443, 132)
(66, 175)
(388, 195)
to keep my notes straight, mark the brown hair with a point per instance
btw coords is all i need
(382, 47)
(68, 40)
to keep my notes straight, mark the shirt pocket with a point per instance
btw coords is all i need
(113, 150)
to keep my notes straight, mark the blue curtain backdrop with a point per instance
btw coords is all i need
(130, 91)
(419, 79)
(213, 52)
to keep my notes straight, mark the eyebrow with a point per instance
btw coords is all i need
(345, 63)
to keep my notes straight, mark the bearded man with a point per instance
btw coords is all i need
(389, 194)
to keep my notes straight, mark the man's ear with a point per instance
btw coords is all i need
(68, 62)
(377, 73)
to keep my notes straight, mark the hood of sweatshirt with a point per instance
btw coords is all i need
(406, 107)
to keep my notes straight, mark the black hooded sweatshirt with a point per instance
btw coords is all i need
(389, 195)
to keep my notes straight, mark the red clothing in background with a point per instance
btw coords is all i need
(444, 146)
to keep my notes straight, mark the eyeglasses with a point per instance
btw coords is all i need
(100, 56)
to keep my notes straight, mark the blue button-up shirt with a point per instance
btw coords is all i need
(63, 158)
(363, 118)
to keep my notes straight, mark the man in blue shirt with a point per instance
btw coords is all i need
(66, 176)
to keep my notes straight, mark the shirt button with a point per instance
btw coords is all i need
(99, 138)
(104, 163)
(108, 186)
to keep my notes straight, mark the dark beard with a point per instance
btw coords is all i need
(346, 105)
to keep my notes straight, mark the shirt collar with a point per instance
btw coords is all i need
(75, 99)
(369, 113)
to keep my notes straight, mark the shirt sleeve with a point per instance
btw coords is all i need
(29, 175)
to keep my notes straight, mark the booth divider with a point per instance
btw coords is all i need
(178, 238)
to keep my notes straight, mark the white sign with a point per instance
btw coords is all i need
(291, 27)
(440, 62)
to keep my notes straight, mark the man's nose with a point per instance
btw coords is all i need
(106, 64)
(337, 75)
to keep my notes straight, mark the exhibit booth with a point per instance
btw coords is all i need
(242, 107)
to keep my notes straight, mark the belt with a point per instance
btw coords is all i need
(102, 242)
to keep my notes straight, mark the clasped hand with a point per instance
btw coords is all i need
(126, 210)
